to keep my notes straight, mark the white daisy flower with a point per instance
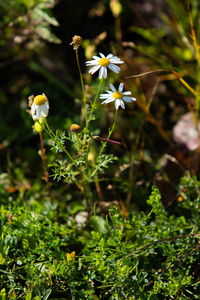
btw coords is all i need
(117, 96)
(40, 106)
(101, 63)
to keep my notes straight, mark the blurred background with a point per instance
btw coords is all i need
(36, 57)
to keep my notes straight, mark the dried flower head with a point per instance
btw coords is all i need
(75, 128)
(76, 41)
(30, 100)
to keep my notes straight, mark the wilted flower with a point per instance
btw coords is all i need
(40, 107)
(101, 63)
(76, 41)
(117, 96)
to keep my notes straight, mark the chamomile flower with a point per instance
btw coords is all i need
(102, 63)
(118, 96)
(40, 107)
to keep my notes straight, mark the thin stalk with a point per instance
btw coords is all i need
(82, 85)
(110, 132)
(90, 117)
(105, 143)
(93, 105)
(43, 156)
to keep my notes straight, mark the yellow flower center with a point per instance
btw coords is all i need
(117, 95)
(104, 62)
(40, 99)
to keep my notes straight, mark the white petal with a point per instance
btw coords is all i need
(109, 92)
(104, 72)
(100, 72)
(47, 103)
(102, 56)
(104, 96)
(38, 112)
(126, 93)
(44, 110)
(94, 69)
(116, 60)
(119, 103)
(114, 68)
(112, 87)
(129, 99)
(109, 56)
(121, 86)
(96, 57)
(108, 100)
(92, 63)
(33, 108)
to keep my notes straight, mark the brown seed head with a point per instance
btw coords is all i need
(76, 41)
(75, 128)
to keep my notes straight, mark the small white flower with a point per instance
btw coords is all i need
(117, 96)
(101, 63)
(40, 106)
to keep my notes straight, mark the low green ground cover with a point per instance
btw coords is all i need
(44, 254)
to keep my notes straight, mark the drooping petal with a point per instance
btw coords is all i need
(47, 103)
(33, 108)
(119, 103)
(108, 100)
(104, 72)
(116, 60)
(129, 99)
(38, 112)
(114, 68)
(94, 69)
(100, 72)
(44, 110)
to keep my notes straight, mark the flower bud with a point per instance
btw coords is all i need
(38, 126)
(75, 128)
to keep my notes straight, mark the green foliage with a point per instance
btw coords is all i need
(145, 256)
(30, 19)
(65, 239)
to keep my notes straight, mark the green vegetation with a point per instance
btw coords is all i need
(99, 200)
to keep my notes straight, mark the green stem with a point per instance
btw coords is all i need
(93, 105)
(110, 132)
(60, 145)
(82, 85)
(90, 118)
